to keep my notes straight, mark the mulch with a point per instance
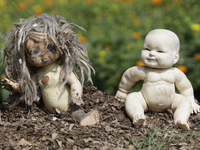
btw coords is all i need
(38, 129)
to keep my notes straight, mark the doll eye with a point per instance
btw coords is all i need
(35, 52)
(49, 47)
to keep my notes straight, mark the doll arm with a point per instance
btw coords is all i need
(15, 86)
(185, 88)
(128, 80)
(9, 85)
(76, 89)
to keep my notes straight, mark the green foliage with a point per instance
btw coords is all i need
(158, 139)
(116, 30)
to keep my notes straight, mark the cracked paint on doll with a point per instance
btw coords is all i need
(54, 93)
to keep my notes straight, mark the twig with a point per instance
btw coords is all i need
(195, 124)
(48, 124)
(105, 118)
(121, 126)
(79, 145)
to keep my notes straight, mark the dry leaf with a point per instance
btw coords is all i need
(23, 142)
(70, 141)
(54, 136)
(59, 142)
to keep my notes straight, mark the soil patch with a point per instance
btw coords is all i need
(38, 129)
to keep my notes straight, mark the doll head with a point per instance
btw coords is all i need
(40, 41)
(160, 49)
(41, 53)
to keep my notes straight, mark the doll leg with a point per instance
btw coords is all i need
(83, 118)
(135, 106)
(181, 108)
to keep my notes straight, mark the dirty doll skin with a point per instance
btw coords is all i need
(41, 55)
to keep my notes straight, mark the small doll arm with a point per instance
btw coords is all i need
(15, 87)
(9, 85)
(185, 88)
(195, 108)
(128, 80)
(76, 89)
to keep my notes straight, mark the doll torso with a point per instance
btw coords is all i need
(54, 93)
(158, 88)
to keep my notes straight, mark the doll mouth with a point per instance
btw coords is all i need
(46, 60)
(151, 59)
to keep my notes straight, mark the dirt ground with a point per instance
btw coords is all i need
(22, 129)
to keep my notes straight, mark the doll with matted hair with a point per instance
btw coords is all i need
(45, 51)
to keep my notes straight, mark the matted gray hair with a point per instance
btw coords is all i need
(73, 54)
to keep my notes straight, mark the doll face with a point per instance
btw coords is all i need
(158, 51)
(41, 53)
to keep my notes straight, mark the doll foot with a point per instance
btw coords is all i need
(138, 119)
(183, 125)
(91, 118)
(119, 99)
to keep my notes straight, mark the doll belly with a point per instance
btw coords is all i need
(159, 96)
(56, 97)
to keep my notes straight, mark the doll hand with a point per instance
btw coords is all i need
(195, 108)
(120, 96)
(9, 85)
(77, 101)
(38, 97)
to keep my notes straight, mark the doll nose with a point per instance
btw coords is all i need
(152, 53)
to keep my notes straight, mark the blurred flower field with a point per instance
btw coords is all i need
(116, 30)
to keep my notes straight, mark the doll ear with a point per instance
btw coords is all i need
(176, 58)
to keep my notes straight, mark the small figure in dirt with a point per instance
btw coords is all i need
(45, 51)
(160, 51)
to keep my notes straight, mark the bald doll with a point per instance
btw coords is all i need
(159, 53)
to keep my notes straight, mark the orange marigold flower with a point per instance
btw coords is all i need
(3, 76)
(82, 39)
(48, 3)
(53, 12)
(21, 6)
(9, 29)
(182, 68)
(139, 63)
(108, 47)
(156, 2)
(39, 11)
(136, 35)
(197, 56)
